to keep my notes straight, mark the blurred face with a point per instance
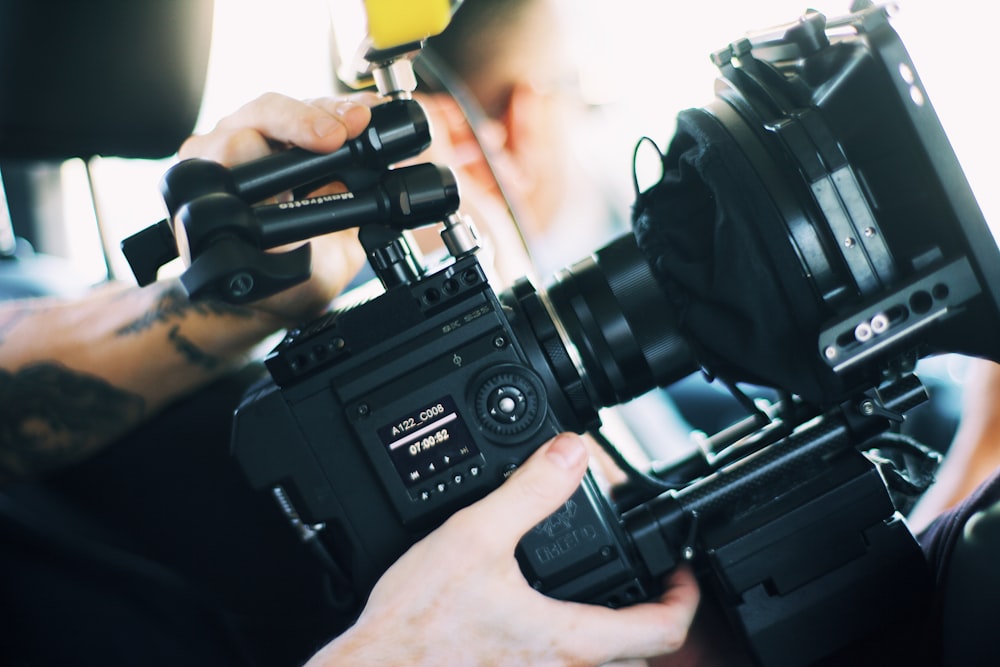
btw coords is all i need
(526, 88)
(524, 84)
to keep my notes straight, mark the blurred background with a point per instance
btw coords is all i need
(639, 62)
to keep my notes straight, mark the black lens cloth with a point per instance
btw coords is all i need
(720, 250)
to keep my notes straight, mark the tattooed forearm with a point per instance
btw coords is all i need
(51, 416)
(174, 305)
(192, 352)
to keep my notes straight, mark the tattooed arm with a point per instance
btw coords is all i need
(77, 374)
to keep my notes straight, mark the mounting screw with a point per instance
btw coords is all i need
(240, 285)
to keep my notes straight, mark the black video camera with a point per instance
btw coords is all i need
(813, 232)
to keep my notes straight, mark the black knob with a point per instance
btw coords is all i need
(510, 404)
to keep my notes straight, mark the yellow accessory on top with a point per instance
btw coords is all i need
(392, 23)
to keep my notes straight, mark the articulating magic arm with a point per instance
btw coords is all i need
(213, 223)
(222, 236)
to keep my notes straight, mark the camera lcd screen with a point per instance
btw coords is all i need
(428, 441)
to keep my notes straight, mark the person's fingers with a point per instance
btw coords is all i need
(646, 629)
(248, 133)
(314, 125)
(353, 111)
(542, 484)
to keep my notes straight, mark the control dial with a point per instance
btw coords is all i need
(510, 403)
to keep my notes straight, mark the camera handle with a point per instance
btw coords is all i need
(224, 239)
(398, 130)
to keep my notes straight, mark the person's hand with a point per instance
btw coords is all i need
(974, 452)
(459, 597)
(275, 122)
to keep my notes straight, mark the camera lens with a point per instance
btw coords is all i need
(604, 328)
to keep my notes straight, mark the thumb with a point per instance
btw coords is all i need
(539, 487)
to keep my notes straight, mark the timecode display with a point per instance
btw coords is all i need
(428, 441)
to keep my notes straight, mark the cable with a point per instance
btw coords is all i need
(433, 72)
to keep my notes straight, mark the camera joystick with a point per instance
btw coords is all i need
(510, 404)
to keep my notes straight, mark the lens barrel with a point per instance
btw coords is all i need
(605, 329)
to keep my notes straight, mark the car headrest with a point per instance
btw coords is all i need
(102, 77)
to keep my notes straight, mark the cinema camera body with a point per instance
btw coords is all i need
(813, 232)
